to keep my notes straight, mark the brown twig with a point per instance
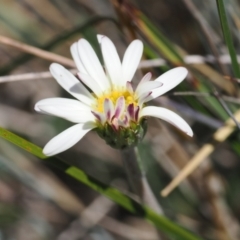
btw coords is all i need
(126, 231)
(29, 76)
(213, 187)
(89, 217)
(53, 57)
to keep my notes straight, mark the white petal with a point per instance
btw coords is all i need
(147, 87)
(71, 84)
(67, 138)
(129, 87)
(168, 116)
(147, 77)
(100, 37)
(143, 98)
(59, 101)
(131, 60)
(124, 122)
(108, 109)
(120, 107)
(146, 99)
(91, 83)
(115, 124)
(136, 112)
(112, 61)
(92, 64)
(71, 110)
(130, 111)
(76, 58)
(170, 79)
(99, 116)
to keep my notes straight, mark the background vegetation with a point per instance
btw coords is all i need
(47, 198)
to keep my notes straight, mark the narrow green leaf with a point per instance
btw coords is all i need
(228, 37)
(22, 143)
(158, 39)
(213, 103)
(171, 229)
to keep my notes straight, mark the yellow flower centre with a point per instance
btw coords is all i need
(113, 96)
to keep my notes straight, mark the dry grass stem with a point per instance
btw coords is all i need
(29, 76)
(226, 226)
(89, 217)
(219, 136)
(206, 94)
(53, 57)
(188, 59)
(127, 231)
(191, 59)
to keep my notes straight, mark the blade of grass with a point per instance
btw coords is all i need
(158, 39)
(212, 103)
(22, 143)
(171, 229)
(228, 37)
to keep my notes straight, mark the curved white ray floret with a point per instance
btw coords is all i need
(105, 97)
(168, 116)
(67, 138)
(69, 109)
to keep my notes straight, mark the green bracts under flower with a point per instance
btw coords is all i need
(123, 137)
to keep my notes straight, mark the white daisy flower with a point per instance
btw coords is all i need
(111, 106)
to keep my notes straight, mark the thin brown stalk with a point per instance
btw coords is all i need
(89, 217)
(52, 57)
(213, 186)
(126, 231)
(29, 76)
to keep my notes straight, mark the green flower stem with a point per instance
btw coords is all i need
(133, 171)
(137, 178)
